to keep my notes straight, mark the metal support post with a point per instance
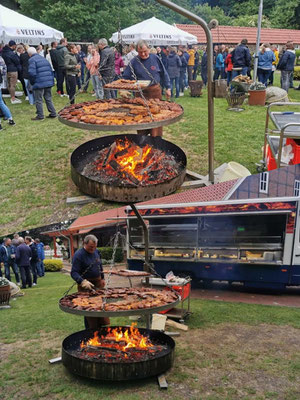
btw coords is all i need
(260, 11)
(210, 89)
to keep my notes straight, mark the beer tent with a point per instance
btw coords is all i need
(155, 32)
(22, 29)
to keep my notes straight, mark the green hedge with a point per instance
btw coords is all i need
(53, 265)
(297, 73)
(297, 57)
(106, 253)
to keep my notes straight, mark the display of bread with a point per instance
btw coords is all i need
(126, 84)
(251, 255)
(121, 111)
(119, 299)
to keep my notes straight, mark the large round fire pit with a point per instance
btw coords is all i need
(84, 356)
(129, 188)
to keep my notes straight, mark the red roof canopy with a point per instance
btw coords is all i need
(215, 192)
(98, 219)
(234, 34)
(85, 224)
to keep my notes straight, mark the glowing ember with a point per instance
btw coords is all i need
(125, 162)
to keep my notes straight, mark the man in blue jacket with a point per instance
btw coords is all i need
(146, 66)
(13, 65)
(286, 65)
(41, 257)
(4, 257)
(23, 256)
(87, 271)
(241, 59)
(42, 79)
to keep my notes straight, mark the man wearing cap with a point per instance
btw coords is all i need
(13, 65)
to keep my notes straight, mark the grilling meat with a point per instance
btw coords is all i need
(119, 299)
(121, 112)
(126, 84)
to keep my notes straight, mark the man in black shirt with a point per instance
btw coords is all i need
(53, 56)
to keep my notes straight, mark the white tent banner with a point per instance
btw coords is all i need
(22, 29)
(155, 32)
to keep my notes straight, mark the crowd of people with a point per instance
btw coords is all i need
(172, 68)
(25, 257)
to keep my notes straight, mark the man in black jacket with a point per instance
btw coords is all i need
(61, 51)
(53, 57)
(23, 255)
(107, 65)
(241, 59)
(13, 67)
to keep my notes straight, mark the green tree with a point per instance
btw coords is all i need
(79, 21)
(251, 20)
(100, 18)
(208, 13)
(286, 14)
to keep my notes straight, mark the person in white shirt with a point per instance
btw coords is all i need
(130, 55)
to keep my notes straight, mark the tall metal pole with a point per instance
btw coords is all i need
(146, 237)
(260, 12)
(210, 94)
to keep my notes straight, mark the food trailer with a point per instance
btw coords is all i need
(255, 242)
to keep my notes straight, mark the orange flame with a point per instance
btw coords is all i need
(134, 160)
(119, 339)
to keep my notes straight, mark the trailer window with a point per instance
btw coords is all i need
(296, 188)
(264, 182)
(136, 234)
(173, 232)
(241, 230)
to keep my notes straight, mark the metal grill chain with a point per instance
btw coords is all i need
(151, 266)
(112, 263)
(140, 91)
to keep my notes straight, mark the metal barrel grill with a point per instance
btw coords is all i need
(87, 152)
(117, 371)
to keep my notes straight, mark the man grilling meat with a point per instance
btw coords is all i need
(87, 271)
(148, 66)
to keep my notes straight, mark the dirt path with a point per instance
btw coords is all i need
(224, 292)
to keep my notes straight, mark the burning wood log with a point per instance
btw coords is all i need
(90, 348)
(112, 147)
(116, 167)
(121, 153)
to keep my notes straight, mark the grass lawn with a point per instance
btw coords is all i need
(35, 179)
(232, 351)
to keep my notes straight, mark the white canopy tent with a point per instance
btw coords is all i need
(155, 32)
(22, 29)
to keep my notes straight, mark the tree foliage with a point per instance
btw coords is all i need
(251, 20)
(91, 20)
(286, 14)
(208, 13)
